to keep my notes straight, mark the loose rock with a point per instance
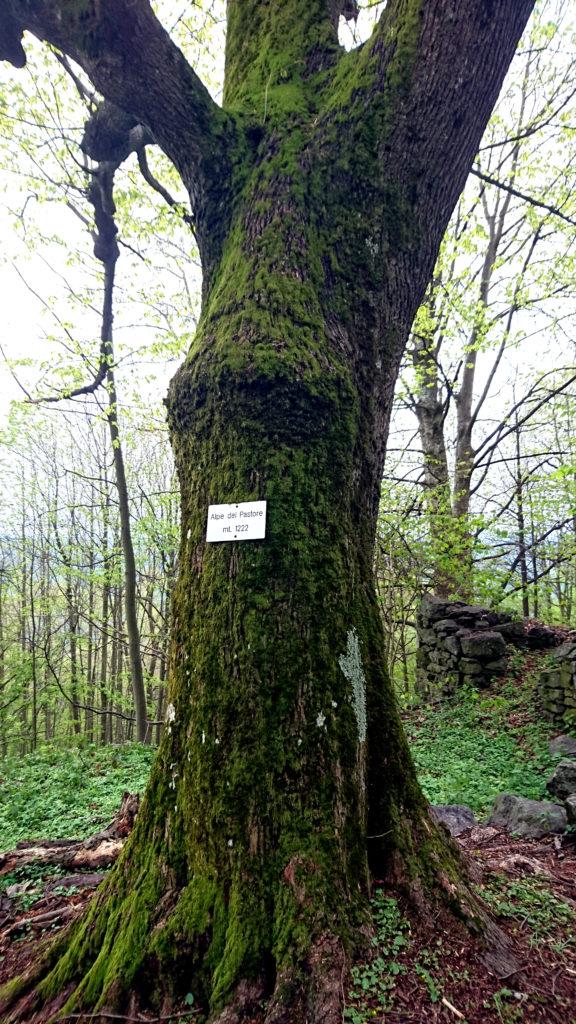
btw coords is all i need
(564, 745)
(531, 819)
(456, 817)
(570, 805)
(562, 783)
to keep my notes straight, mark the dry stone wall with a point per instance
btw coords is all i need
(460, 643)
(557, 686)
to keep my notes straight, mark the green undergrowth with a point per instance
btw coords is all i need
(373, 980)
(62, 794)
(437, 974)
(396, 960)
(533, 907)
(26, 885)
(477, 744)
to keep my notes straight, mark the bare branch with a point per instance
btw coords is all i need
(135, 65)
(522, 195)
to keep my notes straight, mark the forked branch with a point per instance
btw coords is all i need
(133, 63)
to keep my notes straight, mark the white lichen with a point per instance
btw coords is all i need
(351, 665)
(372, 246)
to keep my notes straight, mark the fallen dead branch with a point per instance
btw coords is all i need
(98, 851)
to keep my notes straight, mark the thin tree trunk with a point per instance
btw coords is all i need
(431, 415)
(23, 618)
(90, 667)
(521, 525)
(106, 249)
(33, 640)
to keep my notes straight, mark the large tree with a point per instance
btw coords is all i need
(320, 191)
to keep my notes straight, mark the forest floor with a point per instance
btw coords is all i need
(431, 972)
(468, 750)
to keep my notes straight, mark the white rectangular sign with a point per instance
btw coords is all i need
(244, 521)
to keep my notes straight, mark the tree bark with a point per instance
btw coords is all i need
(429, 407)
(283, 781)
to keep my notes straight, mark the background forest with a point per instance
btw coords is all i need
(478, 499)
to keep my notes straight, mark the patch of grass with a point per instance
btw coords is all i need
(53, 794)
(481, 743)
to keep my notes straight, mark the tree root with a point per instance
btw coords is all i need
(162, 942)
(313, 991)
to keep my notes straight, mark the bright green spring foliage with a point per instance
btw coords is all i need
(67, 794)
(478, 744)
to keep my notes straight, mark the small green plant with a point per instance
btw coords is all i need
(530, 902)
(25, 884)
(27, 898)
(29, 873)
(64, 890)
(427, 967)
(507, 1013)
(515, 661)
(434, 990)
(373, 980)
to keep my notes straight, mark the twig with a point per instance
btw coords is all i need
(42, 920)
(554, 210)
(518, 970)
(445, 1002)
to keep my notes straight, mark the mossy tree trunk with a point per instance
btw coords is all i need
(320, 192)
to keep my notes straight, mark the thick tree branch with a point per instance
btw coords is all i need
(441, 67)
(135, 65)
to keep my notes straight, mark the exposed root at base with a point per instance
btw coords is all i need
(311, 992)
